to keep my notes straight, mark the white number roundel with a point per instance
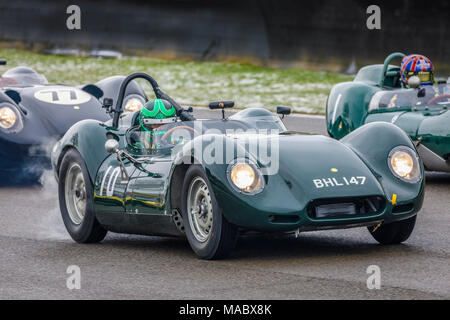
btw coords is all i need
(62, 95)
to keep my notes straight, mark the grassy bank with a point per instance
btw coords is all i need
(194, 83)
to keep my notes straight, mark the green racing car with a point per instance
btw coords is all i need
(163, 172)
(418, 105)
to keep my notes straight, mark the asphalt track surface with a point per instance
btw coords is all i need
(35, 252)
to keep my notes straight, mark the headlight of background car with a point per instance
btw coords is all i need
(134, 103)
(10, 119)
(245, 176)
(404, 164)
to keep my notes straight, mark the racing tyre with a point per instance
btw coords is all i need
(76, 200)
(394, 233)
(210, 235)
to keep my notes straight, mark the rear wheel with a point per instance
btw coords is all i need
(76, 200)
(210, 235)
(393, 233)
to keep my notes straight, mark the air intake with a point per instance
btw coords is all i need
(345, 207)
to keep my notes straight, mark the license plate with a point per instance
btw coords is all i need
(335, 210)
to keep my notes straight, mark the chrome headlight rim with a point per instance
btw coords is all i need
(259, 183)
(130, 97)
(18, 124)
(416, 170)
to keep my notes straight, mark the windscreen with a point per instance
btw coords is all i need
(167, 136)
(436, 95)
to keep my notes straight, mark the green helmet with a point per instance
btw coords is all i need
(158, 111)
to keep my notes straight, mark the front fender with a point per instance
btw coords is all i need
(88, 137)
(347, 107)
(373, 143)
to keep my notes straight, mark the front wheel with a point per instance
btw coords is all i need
(393, 233)
(76, 200)
(210, 235)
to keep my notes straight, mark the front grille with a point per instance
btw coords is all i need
(345, 207)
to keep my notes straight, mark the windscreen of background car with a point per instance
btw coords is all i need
(25, 76)
(410, 97)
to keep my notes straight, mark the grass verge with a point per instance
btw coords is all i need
(194, 83)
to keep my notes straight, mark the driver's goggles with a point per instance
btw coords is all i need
(159, 121)
(424, 76)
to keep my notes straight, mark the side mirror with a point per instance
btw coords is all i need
(221, 104)
(2, 62)
(414, 82)
(107, 104)
(111, 146)
(283, 110)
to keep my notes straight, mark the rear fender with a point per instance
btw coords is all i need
(435, 134)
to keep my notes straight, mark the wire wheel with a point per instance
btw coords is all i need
(200, 209)
(75, 194)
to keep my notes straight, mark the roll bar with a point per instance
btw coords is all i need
(387, 61)
(118, 110)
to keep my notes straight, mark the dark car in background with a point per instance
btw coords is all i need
(35, 114)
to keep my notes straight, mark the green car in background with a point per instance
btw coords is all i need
(273, 180)
(376, 94)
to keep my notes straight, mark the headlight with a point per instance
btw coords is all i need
(134, 103)
(404, 164)
(10, 119)
(245, 177)
(7, 117)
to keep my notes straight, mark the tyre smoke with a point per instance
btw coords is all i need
(50, 225)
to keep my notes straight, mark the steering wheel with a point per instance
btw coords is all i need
(172, 130)
(388, 60)
(182, 113)
(436, 99)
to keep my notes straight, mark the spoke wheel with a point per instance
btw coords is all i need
(209, 234)
(76, 194)
(75, 190)
(199, 204)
